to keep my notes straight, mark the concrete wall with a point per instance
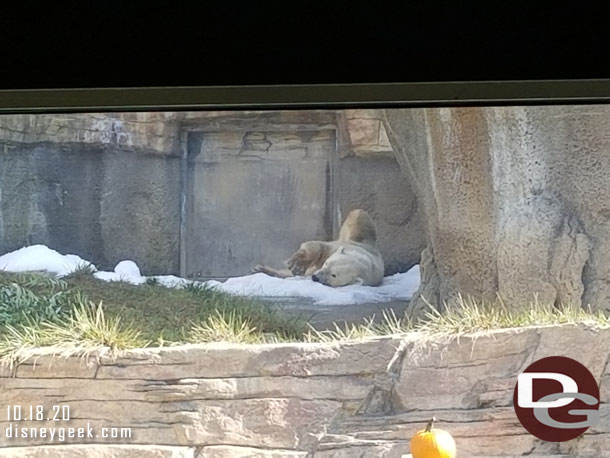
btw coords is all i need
(108, 187)
(378, 185)
(338, 400)
(253, 197)
(101, 204)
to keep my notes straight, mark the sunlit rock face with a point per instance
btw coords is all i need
(309, 400)
(516, 200)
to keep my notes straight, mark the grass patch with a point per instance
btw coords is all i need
(389, 325)
(83, 268)
(469, 316)
(85, 314)
(35, 298)
(81, 314)
(167, 314)
(226, 327)
(84, 331)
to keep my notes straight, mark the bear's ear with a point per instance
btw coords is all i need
(341, 250)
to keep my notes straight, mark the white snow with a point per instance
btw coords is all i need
(117, 276)
(397, 286)
(128, 268)
(41, 258)
(124, 271)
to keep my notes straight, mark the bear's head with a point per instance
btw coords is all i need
(339, 269)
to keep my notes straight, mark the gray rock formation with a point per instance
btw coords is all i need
(516, 200)
(351, 399)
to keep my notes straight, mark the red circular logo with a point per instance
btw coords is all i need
(556, 399)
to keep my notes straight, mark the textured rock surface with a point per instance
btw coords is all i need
(227, 451)
(108, 186)
(516, 201)
(366, 133)
(374, 184)
(359, 399)
(100, 451)
(74, 199)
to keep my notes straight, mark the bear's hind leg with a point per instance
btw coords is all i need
(280, 273)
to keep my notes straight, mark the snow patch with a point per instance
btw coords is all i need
(128, 268)
(400, 286)
(41, 258)
(397, 286)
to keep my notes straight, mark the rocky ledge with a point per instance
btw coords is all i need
(346, 399)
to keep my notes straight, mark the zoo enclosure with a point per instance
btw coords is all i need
(202, 194)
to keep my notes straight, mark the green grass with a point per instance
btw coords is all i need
(466, 317)
(84, 268)
(34, 298)
(226, 327)
(469, 316)
(389, 325)
(80, 314)
(158, 312)
(83, 312)
(83, 331)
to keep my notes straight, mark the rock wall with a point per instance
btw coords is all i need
(349, 399)
(104, 186)
(107, 186)
(102, 205)
(365, 133)
(516, 201)
(369, 178)
(378, 185)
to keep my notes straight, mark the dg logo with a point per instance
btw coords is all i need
(556, 399)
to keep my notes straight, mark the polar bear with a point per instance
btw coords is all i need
(352, 263)
(352, 259)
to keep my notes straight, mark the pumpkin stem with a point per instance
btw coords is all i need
(430, 424)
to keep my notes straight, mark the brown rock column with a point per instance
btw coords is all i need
(516, 199)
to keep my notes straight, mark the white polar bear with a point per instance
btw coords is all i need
(353, 259)
(352, 263)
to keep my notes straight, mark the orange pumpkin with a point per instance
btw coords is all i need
(432, 443)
